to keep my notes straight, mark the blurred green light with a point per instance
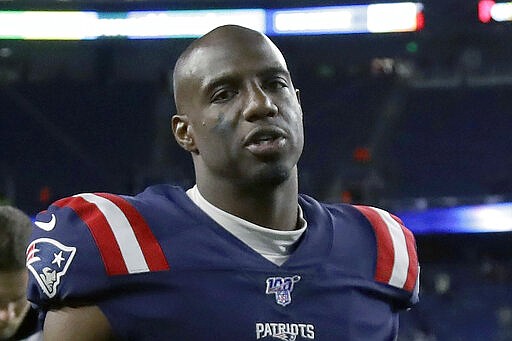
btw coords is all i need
(412, 47)
(326, 71)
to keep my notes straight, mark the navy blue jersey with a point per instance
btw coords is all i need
(161, 269)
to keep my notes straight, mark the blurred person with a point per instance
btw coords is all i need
(239, 256)
(18, 321)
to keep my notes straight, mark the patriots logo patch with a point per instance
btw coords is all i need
(48, 260)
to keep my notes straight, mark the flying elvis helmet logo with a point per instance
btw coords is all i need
(282, 288)
(48, 260)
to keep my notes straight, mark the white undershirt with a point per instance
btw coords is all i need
(274, 245)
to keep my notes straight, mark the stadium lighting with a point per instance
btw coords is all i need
(47, 25)
(502, 11)
(376, 18)
(342, 19)
(462, 219)
(72, 25)
(87, 25)
(184, 24)
(400, 17)
(489, 10)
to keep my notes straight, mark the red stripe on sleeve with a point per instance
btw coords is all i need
(385, 250)
(151, 249)
(101, 232)
(412, 271)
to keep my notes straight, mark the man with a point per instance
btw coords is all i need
(17, 320)
(241, 255)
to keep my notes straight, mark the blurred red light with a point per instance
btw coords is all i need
(484, 10)
(362, 154)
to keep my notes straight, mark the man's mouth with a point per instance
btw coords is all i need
(265, 141)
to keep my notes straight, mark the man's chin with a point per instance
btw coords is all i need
(270, 177)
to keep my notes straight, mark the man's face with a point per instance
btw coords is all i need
(13, 302)
(244, 112)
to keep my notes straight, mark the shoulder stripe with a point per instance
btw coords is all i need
(123, 233)
(101, 232)
(396, 254)
(153, 253)
(385, 260)
(124, 239)
(413, 272)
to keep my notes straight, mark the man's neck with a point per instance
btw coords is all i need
(273, 207)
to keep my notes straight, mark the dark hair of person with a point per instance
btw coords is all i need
(15, 229)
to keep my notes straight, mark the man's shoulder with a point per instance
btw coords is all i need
(360, 215)
(380, 245)
(101, 210)
(113, 225)
(80, 242)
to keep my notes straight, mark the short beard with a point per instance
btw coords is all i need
(267, 179)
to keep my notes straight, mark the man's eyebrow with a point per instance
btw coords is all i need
(211, 83)
(275, 71)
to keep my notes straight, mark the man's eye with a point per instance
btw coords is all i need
(277, 84)
(223, 96)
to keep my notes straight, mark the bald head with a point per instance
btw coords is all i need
(220, 43)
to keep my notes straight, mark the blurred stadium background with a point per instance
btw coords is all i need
(416, 122)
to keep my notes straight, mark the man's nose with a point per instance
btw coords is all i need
(259, 104)
(7, 312)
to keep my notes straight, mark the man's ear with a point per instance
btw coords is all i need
(297, 93)
(183, 133)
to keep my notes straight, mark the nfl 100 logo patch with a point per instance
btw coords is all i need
(282, 288)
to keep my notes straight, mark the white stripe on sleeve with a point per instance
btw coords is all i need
(123, 232)
(401, 259)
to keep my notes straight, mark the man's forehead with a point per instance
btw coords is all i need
(214, 61)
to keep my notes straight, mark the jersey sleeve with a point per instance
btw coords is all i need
(81, 244)
(396, 266)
